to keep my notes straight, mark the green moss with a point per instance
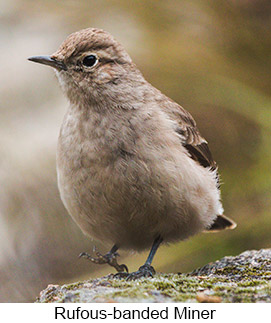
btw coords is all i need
(73, 286)
(239, 282)
(132, 293)
(250, 283)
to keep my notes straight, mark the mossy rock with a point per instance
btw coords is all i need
(243, 278)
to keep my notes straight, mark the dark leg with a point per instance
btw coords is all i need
(146, 270)
(110, 258)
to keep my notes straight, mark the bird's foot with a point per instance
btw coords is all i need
(143, 272)
(110, 258)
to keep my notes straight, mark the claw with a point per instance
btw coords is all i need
(98, 260)
(123, 268)
(109, 258)
(143, 272)
(82, 254)
(121, 275)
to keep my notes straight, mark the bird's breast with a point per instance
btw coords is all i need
(91, 150)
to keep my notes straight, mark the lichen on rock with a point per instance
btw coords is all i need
(243, 278)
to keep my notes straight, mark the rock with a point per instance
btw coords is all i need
(243, 278)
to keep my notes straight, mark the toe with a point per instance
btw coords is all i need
(123, 268)
(121, 275)
(143, 272)
(83, 254)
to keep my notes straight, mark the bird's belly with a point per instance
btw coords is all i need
(131, 200)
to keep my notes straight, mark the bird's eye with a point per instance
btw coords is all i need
(90, 60)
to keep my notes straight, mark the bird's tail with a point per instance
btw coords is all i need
(221, 223)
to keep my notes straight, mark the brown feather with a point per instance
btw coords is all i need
(221, 223)
(195, 144)
(198, 149)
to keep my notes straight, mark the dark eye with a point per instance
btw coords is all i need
(90, 60)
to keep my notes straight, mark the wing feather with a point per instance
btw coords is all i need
(199, 151)
(195, 144)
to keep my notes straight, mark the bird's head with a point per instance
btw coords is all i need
(92, 67)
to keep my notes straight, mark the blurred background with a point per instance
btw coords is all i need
(212, 57)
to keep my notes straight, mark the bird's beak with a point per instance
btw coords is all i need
(47, 60)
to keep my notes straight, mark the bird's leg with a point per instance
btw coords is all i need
(146, 270)
(110, 258)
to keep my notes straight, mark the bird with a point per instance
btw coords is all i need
(133, 169)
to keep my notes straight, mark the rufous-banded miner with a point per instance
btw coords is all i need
(133, 169)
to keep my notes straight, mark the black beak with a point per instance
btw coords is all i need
(47, 60)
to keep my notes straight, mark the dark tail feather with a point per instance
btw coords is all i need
(221, 223)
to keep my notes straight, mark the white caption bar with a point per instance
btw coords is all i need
(115, 312)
